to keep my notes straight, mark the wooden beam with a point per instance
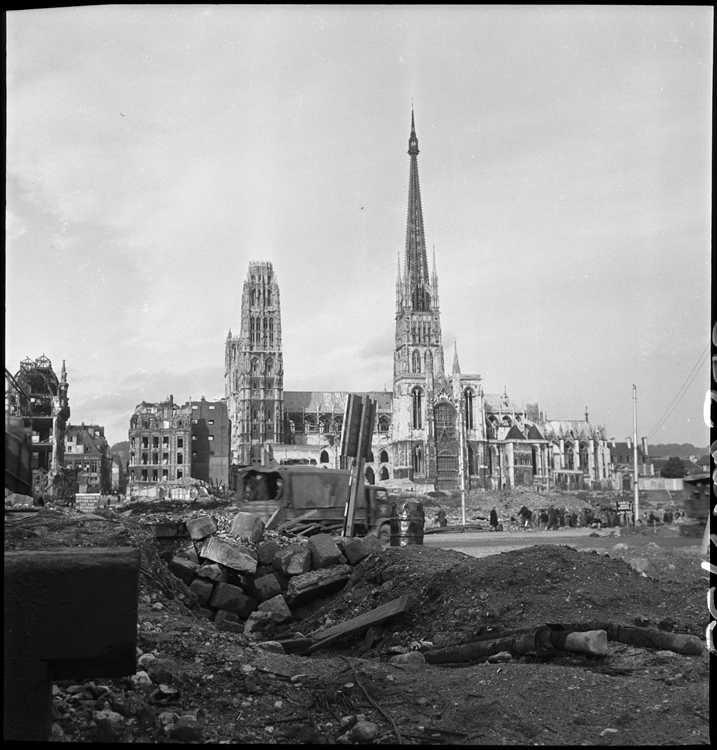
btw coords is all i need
(356, 624)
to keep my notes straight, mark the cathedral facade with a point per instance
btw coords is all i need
(434, 428)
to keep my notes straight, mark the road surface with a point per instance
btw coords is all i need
(483, 543)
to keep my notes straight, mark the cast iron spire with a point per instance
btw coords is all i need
(416, 275)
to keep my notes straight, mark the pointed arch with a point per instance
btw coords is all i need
(383, 458)
(417, 408)
(416, 361)
(370, 476)
(324, 457)
(384, 473)
(468, 393)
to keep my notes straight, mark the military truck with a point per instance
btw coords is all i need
(280, 493)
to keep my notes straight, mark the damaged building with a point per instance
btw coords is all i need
(87, 458)
(435, 427)
(39, 399)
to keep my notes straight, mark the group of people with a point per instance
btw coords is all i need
(555, 518)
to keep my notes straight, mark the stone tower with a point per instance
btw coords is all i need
(418, 364)
(254, 370)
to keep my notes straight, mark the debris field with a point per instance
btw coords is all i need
(229, 656)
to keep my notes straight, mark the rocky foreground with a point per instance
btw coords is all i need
(232, 646)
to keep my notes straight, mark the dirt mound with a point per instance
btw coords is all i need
(456, 598)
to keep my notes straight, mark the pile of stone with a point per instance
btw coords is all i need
(253, 581)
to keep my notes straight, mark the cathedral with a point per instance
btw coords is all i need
(434, 428)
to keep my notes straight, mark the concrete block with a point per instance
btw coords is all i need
(278, 606)
(324, 551)
(266, 551)
(293, 560)
(247, 526)
(316, 584)
(199, 528)
(213, 572)
(183, 569)
(358, 549)
(230, 554)
(267, 587)
(202, 589)
(232, 599)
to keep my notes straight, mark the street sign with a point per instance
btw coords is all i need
(624, 506)
(351, 426)
(369, 417)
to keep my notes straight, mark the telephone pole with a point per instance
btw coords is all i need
(634, 454)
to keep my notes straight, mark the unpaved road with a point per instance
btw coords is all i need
(483, 543)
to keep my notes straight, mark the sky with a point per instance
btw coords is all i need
(565, 170)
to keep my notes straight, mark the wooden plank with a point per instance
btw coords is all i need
(298, 519)
(355, 624)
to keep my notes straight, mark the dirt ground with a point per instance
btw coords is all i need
(235, 691)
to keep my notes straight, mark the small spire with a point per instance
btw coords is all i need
(586, 414)
(456, 366)
(63, 375)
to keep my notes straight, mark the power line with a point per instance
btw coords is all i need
(682, 391)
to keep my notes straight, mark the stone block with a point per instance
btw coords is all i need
(267, 587)
(358, 549)
(266, 551)
(207, 612)
(261, 625)
(247, 526)
(316, 584)
(324, 551)
(232, 599)
(213, 572)
(293, 560)
(183, 569)
(278, 606)
(230, 554)
(199, 528)
(202, 589)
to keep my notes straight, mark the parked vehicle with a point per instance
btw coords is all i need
(297, 490)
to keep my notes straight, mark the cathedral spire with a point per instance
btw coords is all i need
(416, 264)
(456, 366)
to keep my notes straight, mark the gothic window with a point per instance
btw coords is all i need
(383, 424)
(384, 473)
(255, 368)
(416, 361)
(445, 421)
(309, 424)
(416, 398)
(324, 458)
(266, 330)
(469, 409)
(370, 476)
(251, 330)
(268, 297)
(269, 366)
(417, 461)
(383, 457)
(323, 425)
(370, 457)
(271, 331)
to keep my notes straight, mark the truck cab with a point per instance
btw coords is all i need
(282, 493)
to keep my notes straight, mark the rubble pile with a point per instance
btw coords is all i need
(254, 581)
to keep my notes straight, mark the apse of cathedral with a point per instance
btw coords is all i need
(433, 428)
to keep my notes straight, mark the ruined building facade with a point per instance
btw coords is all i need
(39, 400)
(254, 369)
(434, 427)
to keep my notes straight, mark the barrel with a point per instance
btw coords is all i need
(407, 523)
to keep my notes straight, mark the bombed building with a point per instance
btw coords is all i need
(433, 428)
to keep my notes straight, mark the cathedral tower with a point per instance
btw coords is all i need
(418, 365)
(254, 370)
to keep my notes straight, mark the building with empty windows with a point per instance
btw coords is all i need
(160, 438)
(38, 399)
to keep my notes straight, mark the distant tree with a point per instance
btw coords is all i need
(673, 469)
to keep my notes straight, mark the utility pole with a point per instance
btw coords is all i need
(461, 465)
(634, 454)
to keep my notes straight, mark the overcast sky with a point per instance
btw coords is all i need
(565, 168)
